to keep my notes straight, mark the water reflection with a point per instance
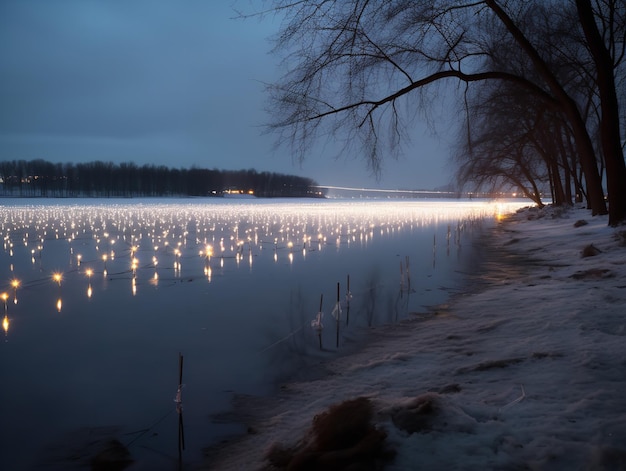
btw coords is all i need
(247, 307)
(173, 230)
(89, 272)
(15, 283)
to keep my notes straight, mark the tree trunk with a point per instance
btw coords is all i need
(584, 146)
(609, 120)
(588, 162)
(557, 184)
(567, 171)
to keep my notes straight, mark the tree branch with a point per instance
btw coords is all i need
(531, 87)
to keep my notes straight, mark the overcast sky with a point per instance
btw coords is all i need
(176, 83)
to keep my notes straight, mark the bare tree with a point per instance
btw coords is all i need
(501, 145)
(510, 140)
(606, 45)
(364, 70)
(521, 124)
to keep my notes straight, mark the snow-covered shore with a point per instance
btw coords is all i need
(527, 371)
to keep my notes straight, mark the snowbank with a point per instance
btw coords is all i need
(526, 372)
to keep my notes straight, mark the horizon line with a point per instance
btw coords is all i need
(330, 187)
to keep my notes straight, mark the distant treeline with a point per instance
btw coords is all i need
(106, 179)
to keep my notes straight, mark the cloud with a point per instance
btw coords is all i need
(143, 80)
(120, 68)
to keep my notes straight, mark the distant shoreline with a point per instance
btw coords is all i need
(40, 178)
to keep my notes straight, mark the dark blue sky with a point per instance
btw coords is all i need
(177, 83)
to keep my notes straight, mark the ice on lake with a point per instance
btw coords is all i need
(101, 296)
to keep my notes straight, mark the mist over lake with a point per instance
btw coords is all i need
(101, 297)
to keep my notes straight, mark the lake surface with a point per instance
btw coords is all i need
(109, 293)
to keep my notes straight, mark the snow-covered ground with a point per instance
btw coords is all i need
(525, 371)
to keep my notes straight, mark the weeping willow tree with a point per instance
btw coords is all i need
(362, 72)
(514, 138)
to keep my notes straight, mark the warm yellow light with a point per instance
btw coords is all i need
(5, 324)
(57, 277)
(15, 283)
(59, 305)
(4, 296)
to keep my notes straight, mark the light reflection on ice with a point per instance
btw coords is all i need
(154, 240)
(163, 226)
(234, 284)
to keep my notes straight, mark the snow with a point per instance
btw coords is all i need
(527, 368)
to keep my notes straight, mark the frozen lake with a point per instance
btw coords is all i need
(101, 296)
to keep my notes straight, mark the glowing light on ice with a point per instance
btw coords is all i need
(224, 229)
(15, 283)
(4, 297)
(57, 277)
(89, 272)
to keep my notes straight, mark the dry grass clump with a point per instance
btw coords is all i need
(341, 439)
(590, 251)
